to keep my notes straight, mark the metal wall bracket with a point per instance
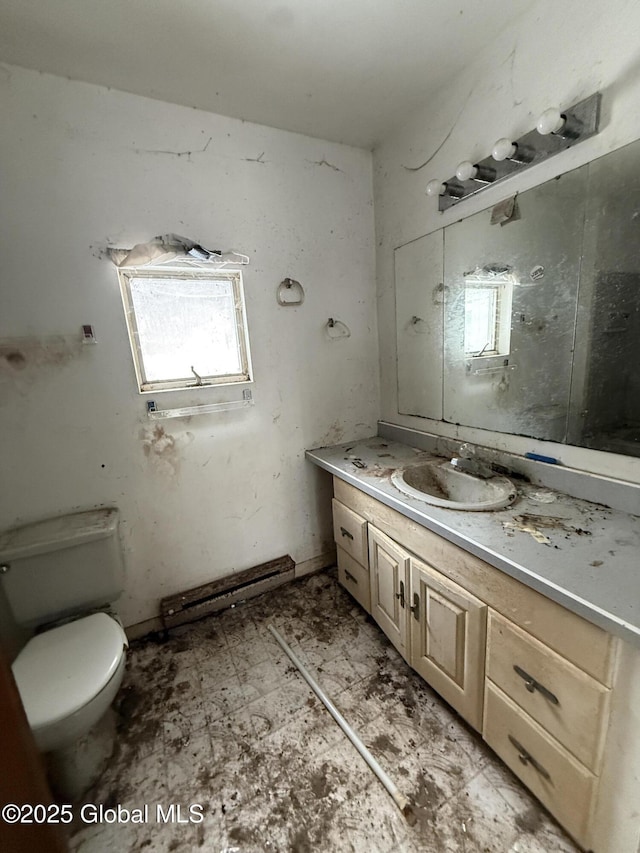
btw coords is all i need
(290, 292)
(337, 329)
(155, 414)
(583, 118)
(88, 334)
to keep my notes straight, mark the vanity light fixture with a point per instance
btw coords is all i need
(555, 131)
(505, 149)
(550, 121)
(436, 188)
(468, 171)
(565, 125)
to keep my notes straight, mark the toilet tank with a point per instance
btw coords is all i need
(62, 566)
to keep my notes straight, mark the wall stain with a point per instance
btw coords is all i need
(56, 350)
(187, 154)
(16, 359)
(333, 435)
(25, 360)
(324, 162)
(163, 449)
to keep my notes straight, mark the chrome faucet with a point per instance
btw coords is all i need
(467, 461)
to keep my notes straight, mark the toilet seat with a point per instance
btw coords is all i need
(61, 670)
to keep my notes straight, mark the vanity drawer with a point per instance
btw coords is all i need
(350, 532)
(556, 778)
(355, 579)
(566, 701)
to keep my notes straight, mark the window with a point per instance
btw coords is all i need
(487, 313)
(187, 327)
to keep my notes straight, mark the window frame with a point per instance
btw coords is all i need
(501, 288)
(182, 273)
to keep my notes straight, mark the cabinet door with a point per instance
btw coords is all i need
(389, 577)
(448, 632)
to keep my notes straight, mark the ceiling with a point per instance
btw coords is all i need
(343, 70)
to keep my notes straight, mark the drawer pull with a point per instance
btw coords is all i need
(346, 533)
(350, 577)
(400, 594)
(526, 758)
(416, 607)
(531, 684)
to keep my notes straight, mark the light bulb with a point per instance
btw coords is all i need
(551, 121)
(436, 187)
(504, 149)
(466, 171)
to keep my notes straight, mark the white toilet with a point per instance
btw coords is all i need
(61, 577)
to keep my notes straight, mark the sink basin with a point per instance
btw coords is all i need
(440, 484)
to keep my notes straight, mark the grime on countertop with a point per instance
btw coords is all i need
(581, 554)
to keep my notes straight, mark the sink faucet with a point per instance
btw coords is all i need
(466, 461)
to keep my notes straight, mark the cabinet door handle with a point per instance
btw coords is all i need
(526, 758)
(350, 577)
(346, 533)
(532, 685)
(416, 607)
(400, 594)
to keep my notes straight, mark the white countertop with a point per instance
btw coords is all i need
(583, 555)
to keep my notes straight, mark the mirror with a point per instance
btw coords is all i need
(606, 395)
(510, 307)
(531, 327)
(419, 324)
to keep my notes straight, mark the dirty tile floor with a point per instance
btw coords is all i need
(217, 716)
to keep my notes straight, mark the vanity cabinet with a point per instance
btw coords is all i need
(448, 638)
(552, 694)
(436, 625)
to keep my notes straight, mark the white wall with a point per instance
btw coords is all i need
(555, 54)
(85, 167)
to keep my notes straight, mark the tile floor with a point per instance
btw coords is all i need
(218, 716)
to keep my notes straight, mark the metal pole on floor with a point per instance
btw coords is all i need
(398, 797)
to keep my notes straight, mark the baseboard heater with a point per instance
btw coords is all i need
(217, 595)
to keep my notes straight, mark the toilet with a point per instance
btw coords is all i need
(61, 578)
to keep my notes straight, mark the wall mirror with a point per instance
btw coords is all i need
(531, 327)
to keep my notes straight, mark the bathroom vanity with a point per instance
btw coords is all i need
(526, 620)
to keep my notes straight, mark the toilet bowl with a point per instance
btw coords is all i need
(68, 676)
(61, 577)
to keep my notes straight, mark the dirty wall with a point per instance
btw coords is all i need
(84, 168)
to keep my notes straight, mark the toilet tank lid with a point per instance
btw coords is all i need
(53, 534)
